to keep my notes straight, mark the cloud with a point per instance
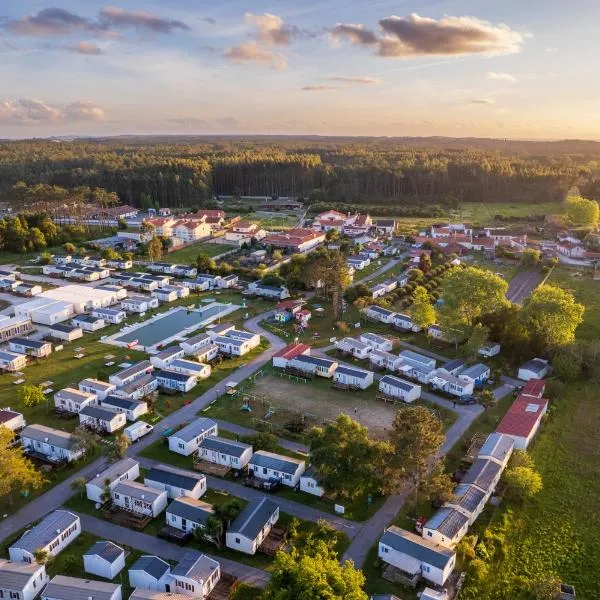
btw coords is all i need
(482, 101)
(228, 122)
(270, 29)
(361, 80)
(500, 76)
(47, 22)
(26, 111)
(252, 52)
(415, 36)
(119, 18)
(88, 48)
(319, 88)
(209, 20)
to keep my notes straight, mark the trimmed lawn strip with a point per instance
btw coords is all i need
(189, 254)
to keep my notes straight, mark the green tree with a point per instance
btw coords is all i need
(228, 511)
(69, 248)
(522, 482)
(263, 440)
(487, 399)
(348, 461)
(328, 272)
(582, 212)
(437, 485)
(31, 395)
(546, 587)
(530, 257)
(78, 485)
(43, 557)
(552, 316)
(154, 249)
(85, 440)
(117, 449)
(122, 224)
(422, 311)
(45, 258)
(567, 362)
(211, 532)
(477, 340)
(110, 254)
(204, 263)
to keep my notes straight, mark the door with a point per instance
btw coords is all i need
(167, 587)
(126, 501)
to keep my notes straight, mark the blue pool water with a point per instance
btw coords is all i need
(173, 324)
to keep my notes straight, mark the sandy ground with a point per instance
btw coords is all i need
(326, 403)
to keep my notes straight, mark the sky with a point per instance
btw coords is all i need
(522, 69)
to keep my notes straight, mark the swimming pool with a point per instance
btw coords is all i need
(176, 322)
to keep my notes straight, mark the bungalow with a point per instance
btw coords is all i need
(55, 445)
(378, 291)
(13, 326)
(175, 381)
(310, 483)
(377, 342)
(358, 262)
(100, 389)
(141, 283)
(190, 367)
(66, 333)
(405, 322)
(478, 374)
(144, 594)
(12, 361)
(30, 347)
(104, 559)
(88, 322)
(133, 409)
(62, 587)
(252, 339)
(132, 373)
(385, 226)
(203, 282)
(314, 365)
(139, 304)
(120, 264)
(468, 500)
(276, 292)
(353, 377)
(402, 279)
(454, 366)
(206, 353)
(447, 527)
(485, 474)
(252, 525)
(266, 465)
(187, 514)
(184, 271)
(139, 498)
(286, 310)
(138, 388)
(497, 447)
(377, 313)
(52, 535)
(176, 482)
(354, 347)
(21, 580)
(170, 293)
(150, 573)
(12, 420)
(163, 359)
(446, 382)
(110, 315)
(385, 360)
(536, 368)
(229, 281)
(522, 420)
(398, 388)
(186, 440)
(226, 452)
(72, 400)
(193, 344)
(125, 469)
(417, 359)
(232, 346)
(102, 418)
(416, 556)
(161, 268)
(195, 575)
(287, 354)
(436, 332)
(28, 289)
(490, 350)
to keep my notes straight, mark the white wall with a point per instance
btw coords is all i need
(102, 568)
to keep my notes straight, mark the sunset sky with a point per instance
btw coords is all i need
(488, 68)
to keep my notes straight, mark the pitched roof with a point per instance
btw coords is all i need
(380, 310)
(447, 521)
(190, 509)
(181, 377)
(398, 383)
(475, 371)
(15, 575)
(96, 384)
(106, 550)
(137, 490)
(315, 360)
(74, 588)
(180, 478)
(46, 530)
(7, 415)
(95, 411)
(277, 462)
(352, 372)
(194, 429)
(114, 472)
(497, 445)
(482, 473)
(523, 415)
(536, 365)
(253, 518)
(196, 567)
(28, 343)
(468, 497)
(534, 387)
(55, 437)
(224, 445)
(153, 565)
(292, 350)
(417, 547)
(122, 403)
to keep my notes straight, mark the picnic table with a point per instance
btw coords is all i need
(78, 356)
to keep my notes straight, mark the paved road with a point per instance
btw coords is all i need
(390, 265)
(440, 357)
(522, 284)
(153, 545)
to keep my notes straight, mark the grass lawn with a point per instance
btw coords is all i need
(189, 254)
(372, 267)
(273, 222)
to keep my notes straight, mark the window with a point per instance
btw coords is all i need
(384, 549)
(429, 534)
(425, 568)
(237, 540)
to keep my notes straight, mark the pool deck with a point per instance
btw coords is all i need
(178, 336)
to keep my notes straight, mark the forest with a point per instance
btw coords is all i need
(401, 172)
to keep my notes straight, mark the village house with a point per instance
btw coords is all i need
(398, 388)
(446, 527)
(62, 587)
(244, 231)
(385, 226)
(225, 452)
(358, 262)
(478, 374)
(384, 360)
(176, 482)
(416, 556)
(66, 333)
(186, 440)
(353, 377)
(468, 500)
(282, 358)
(150, 572)
(296, 240)
(523, 419)
(252, 525)
(102, 418)
(21, 580)
(12, 420)
(104, 559)
(51, 535)
(377, 342)
(139, 498)
(139, 304)
(195, 576)
(187, 514)
(12, 361)
(536, 368)
(72, 400)
(175, 381)
(125, 469)
(351, 346)
(30, 347)
(314, 365)
(133, 409)
(266, 465)
(331, 219)
(52, 444)
(310, 483)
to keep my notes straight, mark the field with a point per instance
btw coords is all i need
(188, 255)
(271, 221)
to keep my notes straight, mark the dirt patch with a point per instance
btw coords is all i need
(316, 398)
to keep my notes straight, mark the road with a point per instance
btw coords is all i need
(390, 265)
(522, 284)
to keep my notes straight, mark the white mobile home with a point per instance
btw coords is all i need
(66, 333)
(11, 419)
(138, 388)
(536, 368)
(186, 440)
(478, 374)
(163, 359)
(314, 365)
(110, 315)
(71, 588)
(89, 322)
(232, 346)
(377, 342)
(266, 465)
(405, 322)
(226, 452)
(104, 559)
(72, 400)
(190, 368)
(21, 580)
(187, 514)
(353, 377)
(125, 469)
(52, 535)
(176, 482)
(195, 343)
(252, 525)
(490, 350)
(55, 445)
(446, 527)
(309, 483)
(468, 500)
(175, 381)
(446, 382)
(139, 498)
(132, 373)
(30, 347)
(133, 409)
(150, 573)
(398, 388)
(195, 576)
(139, 304)
(497, 447)
(377, 313)
(385, 360)
(351, 346)
(102, 418)
(100, 389)
(12, 361)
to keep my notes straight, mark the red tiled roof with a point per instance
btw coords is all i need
(292, 350)
(334, 213)
(534, 387)
(519, 421)
(210, 213)
(292, 237)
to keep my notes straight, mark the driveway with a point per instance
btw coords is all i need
(522, 284)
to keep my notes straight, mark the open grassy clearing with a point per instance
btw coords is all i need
(189, 254)
(372, 267)
(273, 222)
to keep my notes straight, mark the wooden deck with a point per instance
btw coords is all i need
(126, 518)
(224, 588)
(209, 468)
(274, 541)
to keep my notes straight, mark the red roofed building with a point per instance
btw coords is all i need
(299, 240)
(523, 419)
(288, 353)
(534, 387)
